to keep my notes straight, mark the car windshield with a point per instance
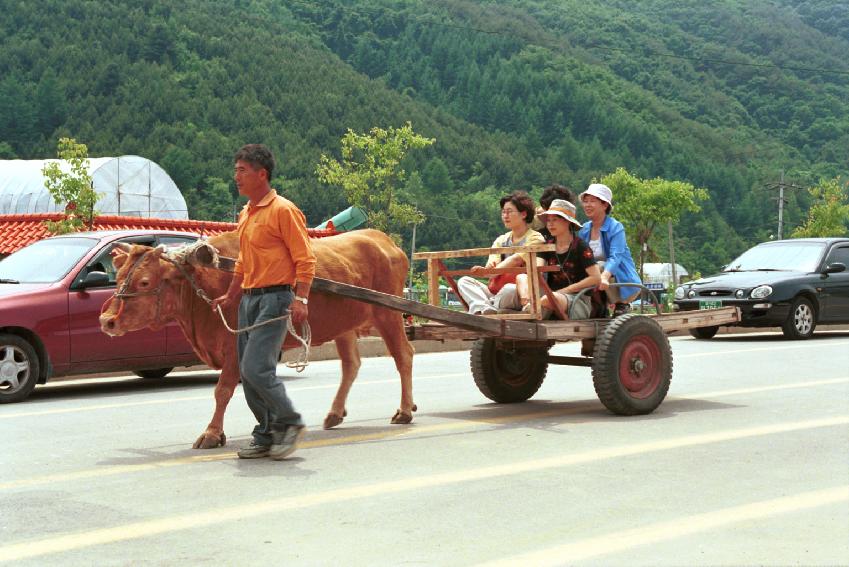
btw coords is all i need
(786, 256)
(45, 261)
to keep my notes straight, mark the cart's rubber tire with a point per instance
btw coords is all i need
(704, 332)
(508, 376)
(632, 365)
(154, 374)
(801, 320)
(19, 368)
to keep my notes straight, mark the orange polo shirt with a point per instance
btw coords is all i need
(274, 246)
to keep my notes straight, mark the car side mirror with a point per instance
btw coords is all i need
(95, 279)
(834, 268)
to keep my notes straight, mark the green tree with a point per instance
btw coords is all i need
(645, 204)
(370, 172)
(17, 113)
(436, 177)
(73, 187)
(6, 151)
(50, 103)
(829, 215)
(214, 201)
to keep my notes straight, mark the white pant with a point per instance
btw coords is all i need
(481, 300)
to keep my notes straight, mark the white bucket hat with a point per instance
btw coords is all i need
(600, 191)
(564, 209)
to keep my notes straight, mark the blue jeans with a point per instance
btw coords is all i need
(258, 352)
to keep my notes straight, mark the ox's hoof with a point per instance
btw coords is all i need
(334, 419)
(210, 441)
(401, 417)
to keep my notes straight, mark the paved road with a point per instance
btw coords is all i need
(746, 462)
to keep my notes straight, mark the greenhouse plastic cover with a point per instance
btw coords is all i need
(128, 185)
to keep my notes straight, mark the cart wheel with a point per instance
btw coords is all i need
(633, 365)
(508, 375)
(704, 332)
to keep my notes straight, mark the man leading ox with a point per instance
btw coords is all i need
(273, 274)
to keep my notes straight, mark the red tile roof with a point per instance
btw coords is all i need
(17, 231)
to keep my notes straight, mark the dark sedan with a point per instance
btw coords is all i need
(792, 284)
(51, 293)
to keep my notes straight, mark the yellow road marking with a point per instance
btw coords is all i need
(152, 527)
(616, 542)
(784, 346)
(207, 397)
(758, 389)
(372, 382)
(391, 433)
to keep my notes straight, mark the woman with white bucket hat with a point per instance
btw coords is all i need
(606, 237)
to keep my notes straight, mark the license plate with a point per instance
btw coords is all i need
(710, 304)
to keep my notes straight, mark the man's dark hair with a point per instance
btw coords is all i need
(258, 156)
(523, 202)
(553, 192)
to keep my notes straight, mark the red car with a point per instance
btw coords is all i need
(51, 293)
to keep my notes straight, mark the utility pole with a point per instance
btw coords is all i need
(781, 186)
(672, 258)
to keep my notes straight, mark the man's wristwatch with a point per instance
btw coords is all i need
(303, 300)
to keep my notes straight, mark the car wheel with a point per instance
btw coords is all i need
(155, 374)
(19, 368)
(704, 332)
(801, 320)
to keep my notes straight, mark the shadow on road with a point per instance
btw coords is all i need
(547, 414)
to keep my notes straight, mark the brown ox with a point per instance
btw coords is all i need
(158, 291)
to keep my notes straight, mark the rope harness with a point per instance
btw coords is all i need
(178, 258)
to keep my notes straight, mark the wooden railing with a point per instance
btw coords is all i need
(536, 282)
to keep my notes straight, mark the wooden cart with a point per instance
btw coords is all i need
(631, 358)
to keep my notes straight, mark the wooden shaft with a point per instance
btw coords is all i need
(466, 253)
(489, 272)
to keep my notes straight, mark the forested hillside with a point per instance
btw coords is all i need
(518, 94)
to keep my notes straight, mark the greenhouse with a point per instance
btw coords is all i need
(654, 272)
(127, 185)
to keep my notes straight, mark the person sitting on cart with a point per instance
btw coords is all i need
(517, 213)
(578, 268)
(606, 237)
(549, 194)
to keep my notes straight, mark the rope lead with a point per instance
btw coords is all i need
(305, 338)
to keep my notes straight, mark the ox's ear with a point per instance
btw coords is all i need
(203, 255)
(120, 253)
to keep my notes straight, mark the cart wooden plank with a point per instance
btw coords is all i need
(676, 321)
(553, 330)
(680, 320)
(439, 332)
(488, 326)
(458, 325)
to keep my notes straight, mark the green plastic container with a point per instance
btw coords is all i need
(349, 219)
